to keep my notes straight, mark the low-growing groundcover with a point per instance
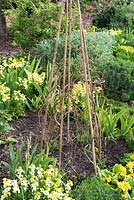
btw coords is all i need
(95, 189)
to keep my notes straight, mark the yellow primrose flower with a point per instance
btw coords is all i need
(122, 170)
(40, 172)
(34, 185)
(37, 195)
(15, 186)
(132, 157)
(7, 182)
(115, 32)
(4, 195)
(24, 183)
(19, 96)
(5, 97)
(37, 78)
(131, 175)
(23, 82)
(124, 186)
(4, 92)
(20, 170)
(45, 192)
(32, 168)
(14, 63)
(108, 179)
(130, 165)
(48, 181)
(66, 197)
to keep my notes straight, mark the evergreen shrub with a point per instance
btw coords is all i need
(95, 189)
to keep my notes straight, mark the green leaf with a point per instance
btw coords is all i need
(117, 116)
(2, 142)
(116, 169)
(11, 140)
(32, 66)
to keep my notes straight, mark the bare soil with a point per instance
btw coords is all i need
(75, 160)
(7, 48)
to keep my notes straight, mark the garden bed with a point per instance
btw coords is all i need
(74, 160)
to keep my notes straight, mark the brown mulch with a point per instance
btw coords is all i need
(75, 161)
(7, 48)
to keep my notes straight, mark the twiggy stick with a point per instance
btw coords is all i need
(63, 88)
(87, 89)
(69, 73)
(44, 136)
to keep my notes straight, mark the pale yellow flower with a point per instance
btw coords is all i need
(34, 185)
(18, 96)
(4, 93)
(115, 32)
(24, 183)
(35, 77)
(15, 186)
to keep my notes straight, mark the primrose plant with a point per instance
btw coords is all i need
(36, 184)
(121, 178)
(36, 178)
(20, 81)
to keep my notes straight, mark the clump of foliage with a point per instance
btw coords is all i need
(36, 183)
(113, 62)
(99, 46)
(36, 178)
(117, 124)
(94, 189)
(118, 76)
(22, 85)
(125, 52)
(19, 82)
(34, 20)
(123, 38)
(121, 178)
(115, 14)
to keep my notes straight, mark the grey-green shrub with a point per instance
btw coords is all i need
(99, 47)
(99, 44)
